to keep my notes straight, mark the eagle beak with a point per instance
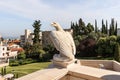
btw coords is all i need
(52, 24)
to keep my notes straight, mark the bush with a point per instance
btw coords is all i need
(113, 38)
(87, 47)
(14, 63)
(49, 52)
(22, 55)
(106, 46)
(41, 53)
(46, 57)
(29, 60)
(77, 39)
(21, 62)
(101, 41)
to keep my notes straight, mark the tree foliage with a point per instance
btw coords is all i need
(106, 46)
(36, 25)
(86, 47)
(106, 27)
(117, 52)
(80, 28)
(105, 38)
(113, 27)
(21, 55)
(103, 30)
(33, 51)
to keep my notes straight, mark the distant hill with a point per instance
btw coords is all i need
(10, 37)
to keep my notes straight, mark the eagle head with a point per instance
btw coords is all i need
(57, 26)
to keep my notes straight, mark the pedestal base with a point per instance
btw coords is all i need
(65, 64)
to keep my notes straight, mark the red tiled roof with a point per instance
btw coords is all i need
(17, 49)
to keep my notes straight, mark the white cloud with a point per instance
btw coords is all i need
(89, 10)
(26, 8)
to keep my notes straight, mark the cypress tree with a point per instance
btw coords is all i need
(106, 27)
(36, 41)
(103, 27)
(96, 29)
(89, 28)
(110, 33)
(115, 33)
(36, 25)
(76, 29)
(112, 26)
(81, 25)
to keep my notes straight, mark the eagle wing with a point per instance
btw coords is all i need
(63, 42)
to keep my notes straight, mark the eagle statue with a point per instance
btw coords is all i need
(63, 42)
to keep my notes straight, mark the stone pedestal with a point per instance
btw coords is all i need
(65, 64)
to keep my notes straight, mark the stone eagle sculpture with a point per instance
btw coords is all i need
(63, 42)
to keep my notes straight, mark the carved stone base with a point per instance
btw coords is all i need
(58, 57)
(65, 64)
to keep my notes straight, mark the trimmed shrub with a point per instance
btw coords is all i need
(14, 63)
(21, 62)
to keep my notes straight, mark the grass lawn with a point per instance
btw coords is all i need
(28, 68)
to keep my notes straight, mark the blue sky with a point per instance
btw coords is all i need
(18, 15)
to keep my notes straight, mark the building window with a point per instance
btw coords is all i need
(3, 54)
(7, 54)
(8, 48)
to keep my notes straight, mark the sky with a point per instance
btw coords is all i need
(18, 15)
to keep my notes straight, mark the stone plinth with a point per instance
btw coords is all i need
(65, 64)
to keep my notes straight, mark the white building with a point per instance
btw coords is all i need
(5, 53)
(27, 37)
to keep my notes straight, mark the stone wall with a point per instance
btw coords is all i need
(107, 64)
(116, 66)
(69, 77)
(46, 39)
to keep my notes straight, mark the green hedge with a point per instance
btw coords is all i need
(21, 62)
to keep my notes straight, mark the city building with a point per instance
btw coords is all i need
(27, 37)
